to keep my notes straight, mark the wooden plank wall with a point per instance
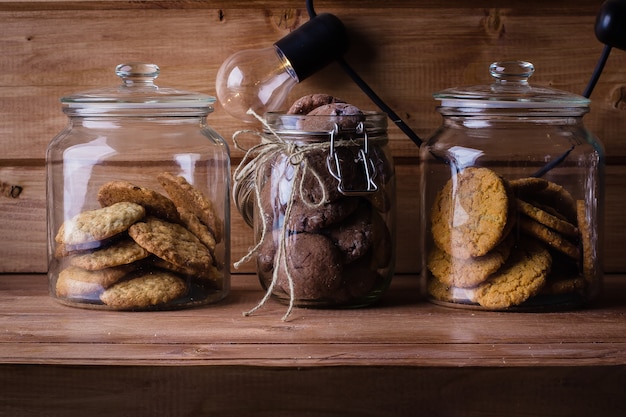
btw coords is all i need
(406, 50)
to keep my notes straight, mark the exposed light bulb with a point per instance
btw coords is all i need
(257, 79)
(261, 79)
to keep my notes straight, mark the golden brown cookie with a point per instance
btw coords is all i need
(199, 229)
(185, 196)
(588, 251)
(546, 193)
(442, 292)
(77, 282)
(147, 290)
(156, 204)
(122, 252)
(213, 274)
(521, 277)
(305, 104)
(171, 242)
(552, 238)
(547, 219)
(466, 273)
(472, 213)
(93, 226)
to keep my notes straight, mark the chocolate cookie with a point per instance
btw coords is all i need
(324, 118)
(307, 103)
(355, 236)
(315, 267)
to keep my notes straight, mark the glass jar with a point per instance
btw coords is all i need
(512, 201)
(138, 198)
(321, 198)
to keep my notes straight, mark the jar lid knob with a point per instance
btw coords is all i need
(511, 72)
(137, 73)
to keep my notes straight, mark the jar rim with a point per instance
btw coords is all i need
(374, 123)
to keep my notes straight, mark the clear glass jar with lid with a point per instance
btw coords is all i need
(512, 198)
(138, 198)
(319, 192)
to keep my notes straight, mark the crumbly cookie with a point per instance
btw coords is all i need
(186, 196)
(74, 282)
(442, 292)
(147, 290)
(547, 219)
(213, 274)
(564, 286)
(521, 277)
(156, 204)
(171, 242)
(472, 213)
(315, 267)
(96, 225)
(195, 226)
(545, 192)
(307, 103)
(355, 236)
(305, 218)
(466, 273)
(324, 118)
(121, 253)
(552, 238)
(588, 251)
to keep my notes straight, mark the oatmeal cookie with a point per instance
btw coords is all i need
(123, 252)
(171, 242)
(96, 225)
(78, 282)
(184, 195)
(156, 204)
(146, 290)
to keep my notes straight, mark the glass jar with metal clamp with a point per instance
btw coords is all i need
(321, 199)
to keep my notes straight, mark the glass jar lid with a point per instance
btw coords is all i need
(137, 91)
(510, 89)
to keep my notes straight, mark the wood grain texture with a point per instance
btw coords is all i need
(403, 330)
(405, 50)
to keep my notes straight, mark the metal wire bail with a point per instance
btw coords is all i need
(334, 164)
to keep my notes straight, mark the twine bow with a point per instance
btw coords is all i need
(251, 165)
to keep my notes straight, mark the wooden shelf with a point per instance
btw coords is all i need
(398, 356)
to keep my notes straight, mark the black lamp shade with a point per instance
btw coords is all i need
(314, 45)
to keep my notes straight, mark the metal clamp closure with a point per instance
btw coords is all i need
(361, 159)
